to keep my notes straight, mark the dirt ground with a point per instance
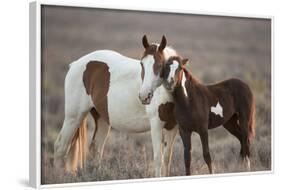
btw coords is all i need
(219, 48)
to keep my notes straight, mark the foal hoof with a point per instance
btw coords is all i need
(211, 169)
(245, 163)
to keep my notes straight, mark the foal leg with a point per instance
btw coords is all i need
(169, 139)
(206, 153)
(245, 150)
(156, 136)
(233, 127)
(186, 139)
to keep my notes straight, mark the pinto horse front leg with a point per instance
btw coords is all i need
(156, 136)
(169, 139)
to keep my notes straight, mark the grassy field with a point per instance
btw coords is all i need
(219, 48)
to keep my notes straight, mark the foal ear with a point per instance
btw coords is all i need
(163, 43)
(145, 42)
(184, 61)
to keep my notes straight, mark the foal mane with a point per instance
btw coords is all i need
(189, 76)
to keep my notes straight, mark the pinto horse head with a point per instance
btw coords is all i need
(152, 67)
(173, 72)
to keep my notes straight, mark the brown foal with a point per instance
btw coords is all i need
(200, 107)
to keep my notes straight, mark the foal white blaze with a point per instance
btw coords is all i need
(172, 74)
(173, 67)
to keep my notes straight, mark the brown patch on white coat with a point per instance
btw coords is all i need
(96, 80)
(166, 114)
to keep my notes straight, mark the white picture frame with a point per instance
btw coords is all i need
(35, 94)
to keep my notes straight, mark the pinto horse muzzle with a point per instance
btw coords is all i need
(145, 99)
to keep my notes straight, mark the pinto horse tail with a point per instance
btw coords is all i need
(252, 121)
(78, 150)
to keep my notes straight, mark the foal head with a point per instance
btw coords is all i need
(152, 67)
(174, 72)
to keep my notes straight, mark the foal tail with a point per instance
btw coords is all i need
(78, 148)
(252, 121)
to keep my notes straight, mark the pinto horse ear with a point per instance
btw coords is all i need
(145, 42)
(163, 43)
(184, 62)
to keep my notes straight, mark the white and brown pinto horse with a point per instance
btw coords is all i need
(105, 85)
(200, 107)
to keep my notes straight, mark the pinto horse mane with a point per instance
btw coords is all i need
(168, 52)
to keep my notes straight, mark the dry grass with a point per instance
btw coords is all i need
(218, 47)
